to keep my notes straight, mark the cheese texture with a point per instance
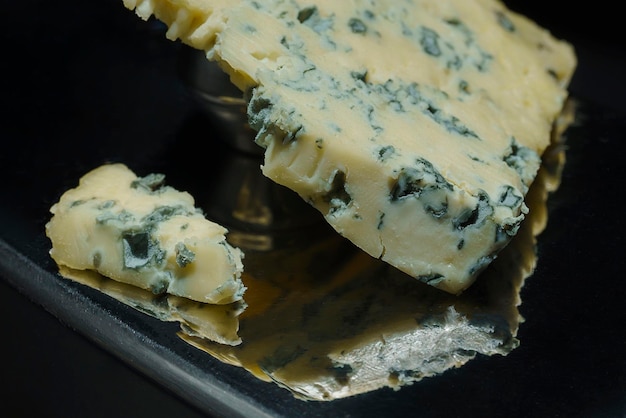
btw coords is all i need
(415, 126)
(138, 231)
(352, 325)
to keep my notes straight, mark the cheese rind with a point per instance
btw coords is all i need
(415, 127)
(140, 232)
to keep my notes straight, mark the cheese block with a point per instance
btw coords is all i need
(352, 324)
(415, 126)
(138, 231)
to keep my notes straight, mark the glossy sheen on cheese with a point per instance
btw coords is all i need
(140, 232)
(414, 126)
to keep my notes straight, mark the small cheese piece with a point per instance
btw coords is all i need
(415, 126)
(140, 232)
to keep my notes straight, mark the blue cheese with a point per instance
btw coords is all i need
(414, 127)
(352, 325)
(138, 231)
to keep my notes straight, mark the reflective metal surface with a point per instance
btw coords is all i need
(221, 101)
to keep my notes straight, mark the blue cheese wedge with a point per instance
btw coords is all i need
(415, 126)
(138, 231)
(329, 331)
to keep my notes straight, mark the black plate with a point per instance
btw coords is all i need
(84, 85)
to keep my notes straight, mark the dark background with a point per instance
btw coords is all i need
(65, 65)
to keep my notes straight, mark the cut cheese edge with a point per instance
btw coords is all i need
(140, 232)
(415, 127)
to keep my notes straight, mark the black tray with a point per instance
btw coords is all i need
(85, 85)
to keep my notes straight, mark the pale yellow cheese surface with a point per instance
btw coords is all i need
(146, 235)
(415, 126)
